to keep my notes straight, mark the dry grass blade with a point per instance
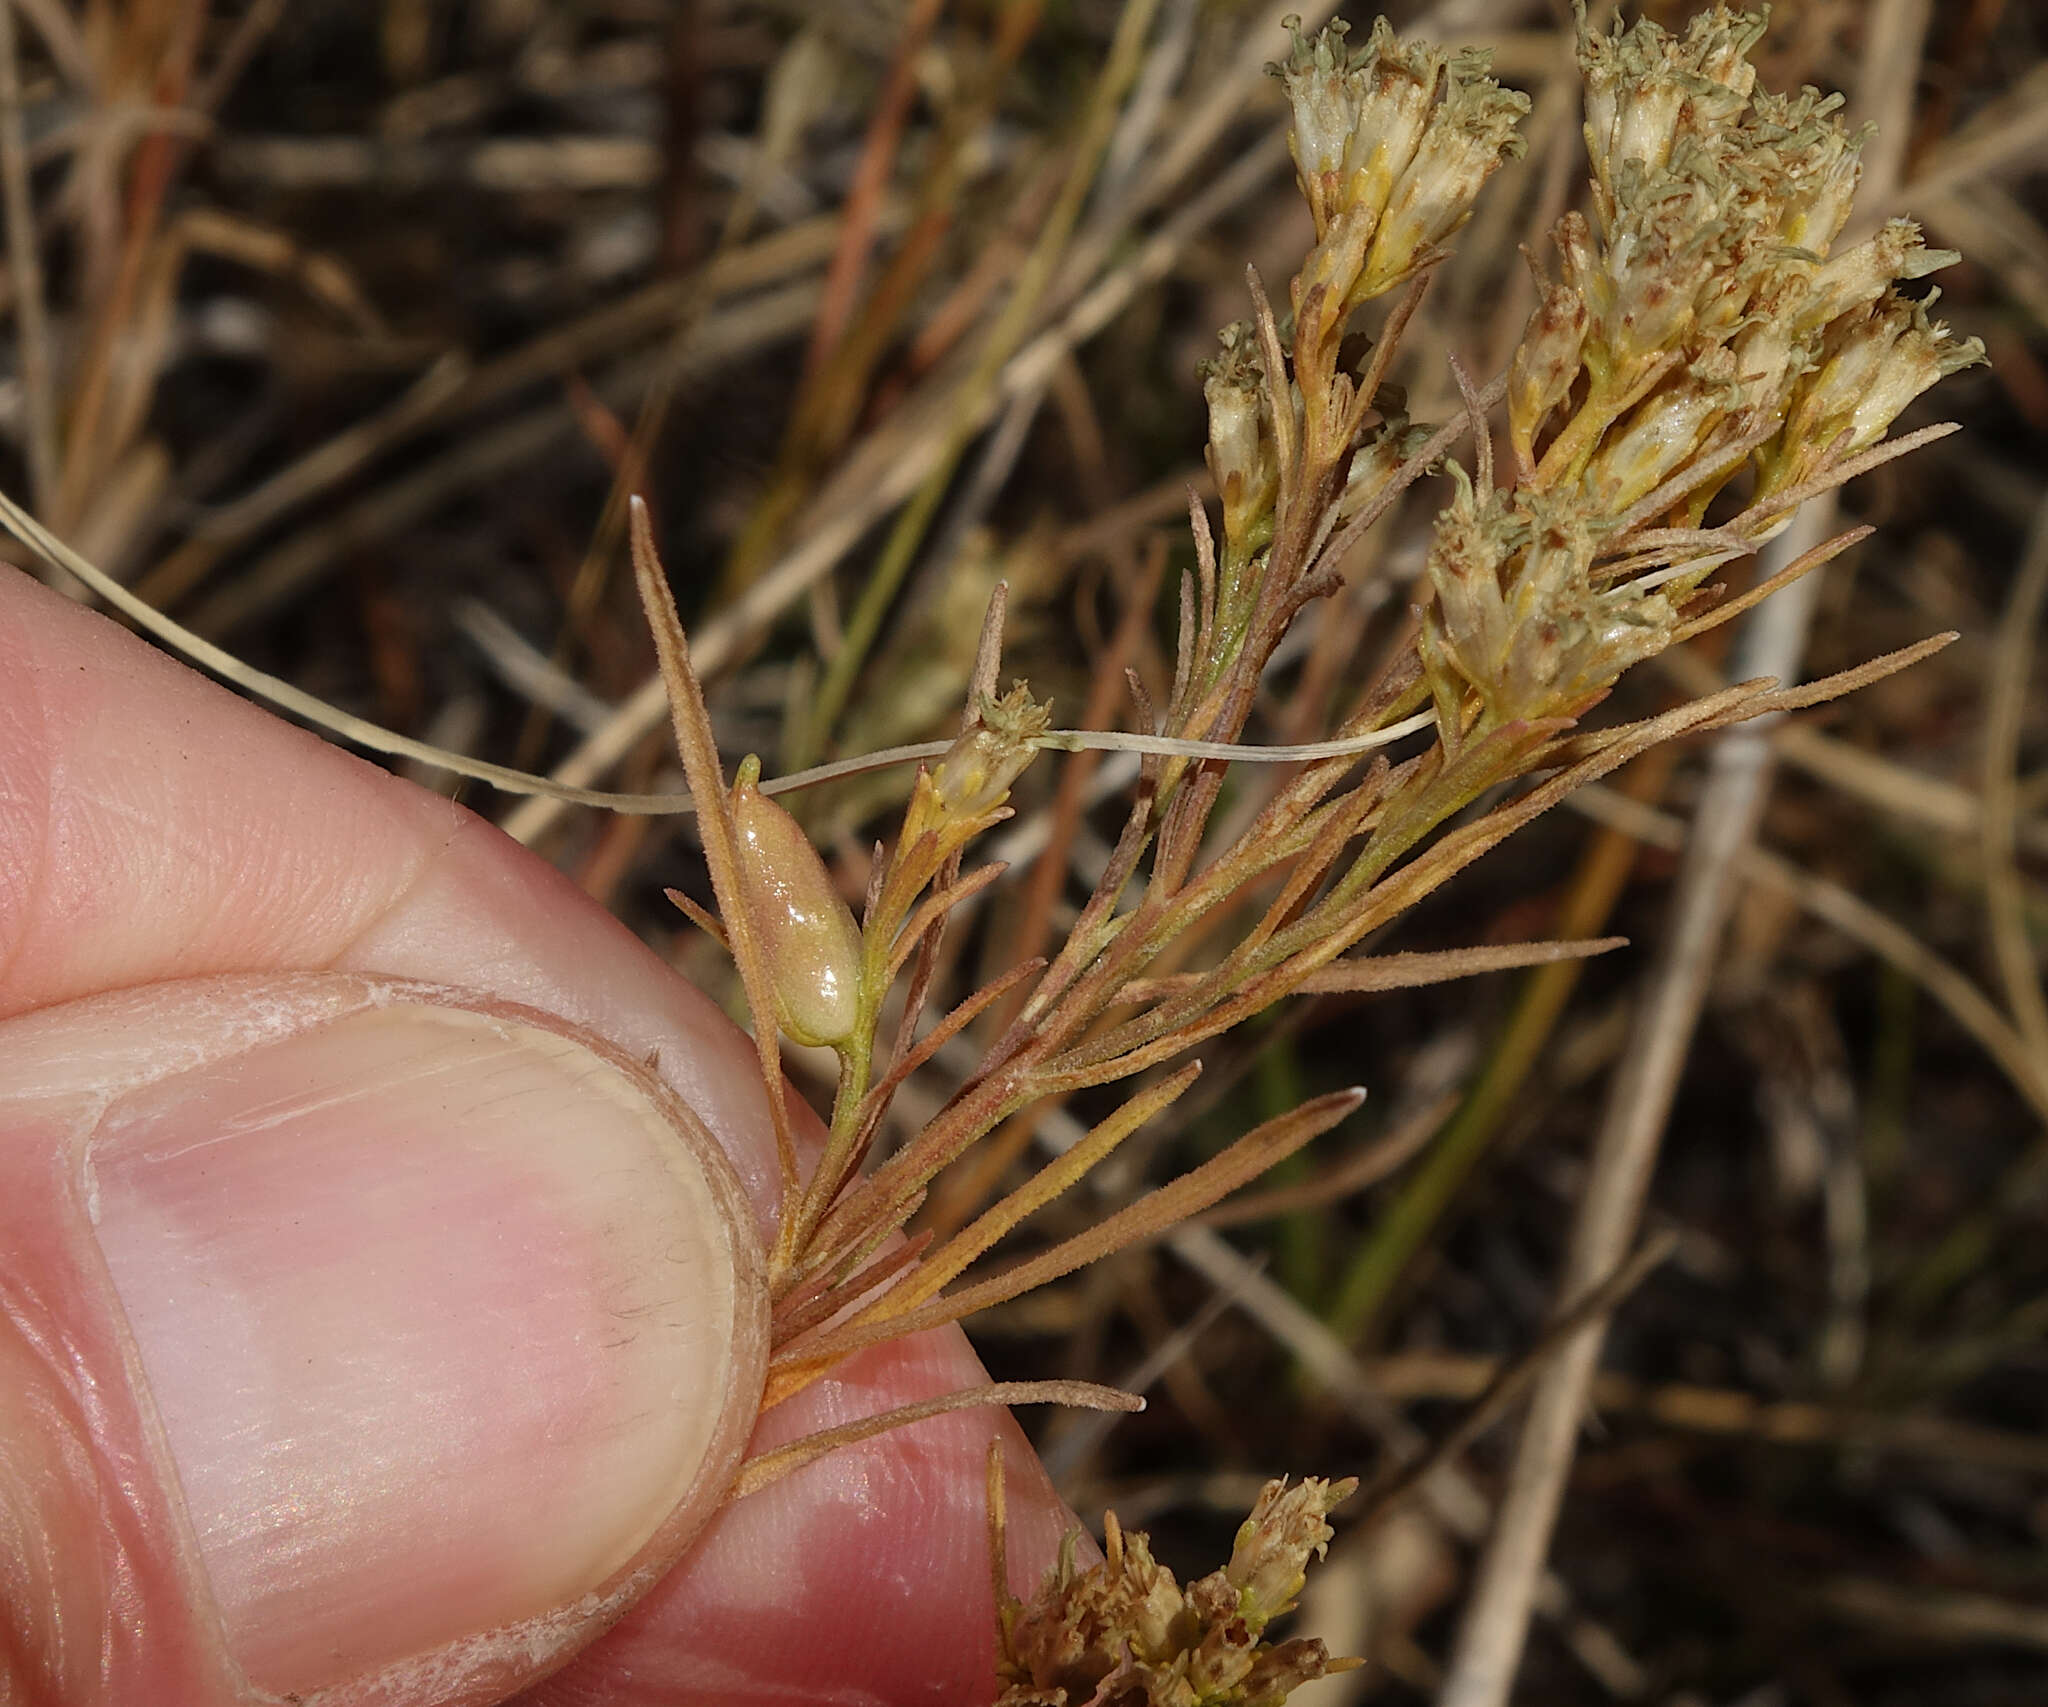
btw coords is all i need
(284, 695)
(874, 484)
(1119, 68)
(2012, 943)
(1508, 1386)
(25, 263)
(1692, 1409)
(1972, 1010)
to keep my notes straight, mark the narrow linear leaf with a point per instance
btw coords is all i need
(721, 837)
(757, 1473)
(1171, 1204)
(951, 1026)
(1054, 1178)
(935, 908)
(698, 917)
(1805, 564)
(820, 1298)
(1403, 971)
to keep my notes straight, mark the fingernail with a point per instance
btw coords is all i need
(438, 1319)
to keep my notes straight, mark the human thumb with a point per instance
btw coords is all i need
(359, 1342)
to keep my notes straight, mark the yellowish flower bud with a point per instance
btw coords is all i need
(1858, 276)
(1468, 137)
(1274, 1545)
(974, 777)
(1470, 626)
(1546, 363)
(1856, 355)
(1241, 453)
(1875, 361)
(1641, 285)
(1769, 356)
(1518, 616)
(1215, 1669)
(1391, 444)
(1356, 117)
(1153, 1602)
(1324, 91)
(807, 935)
(1393, 118)
(1921, 353)
(1663, 432)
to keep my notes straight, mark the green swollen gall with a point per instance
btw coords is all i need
(806, 933)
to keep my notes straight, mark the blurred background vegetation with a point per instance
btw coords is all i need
(341, 330)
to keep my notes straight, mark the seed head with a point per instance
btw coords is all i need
(1820, 159)
(1713, 304)
(1082, 1625)
(1518, 616)
(1646, 89)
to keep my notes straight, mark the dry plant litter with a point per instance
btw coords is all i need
(1706, 353)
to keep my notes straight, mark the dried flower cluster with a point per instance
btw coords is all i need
(1701, 326)
(1703, 337)
(1125, 1634)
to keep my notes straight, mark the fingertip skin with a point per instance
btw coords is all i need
(109, 1591)
(862, 1579)
(102, 1598)
(156, 827)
